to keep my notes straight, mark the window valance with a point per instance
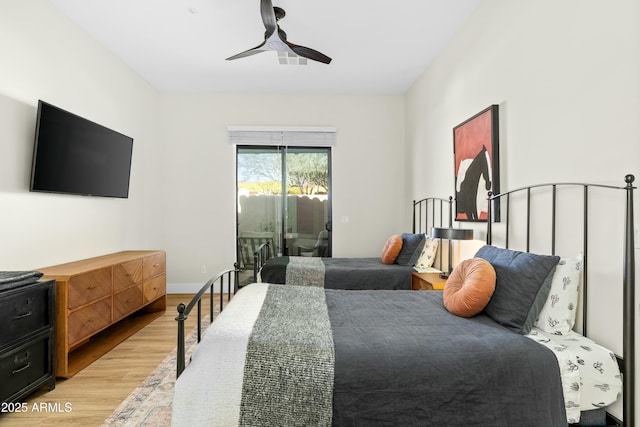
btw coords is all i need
(283, 136)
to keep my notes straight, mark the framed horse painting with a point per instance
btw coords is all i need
(476, 167)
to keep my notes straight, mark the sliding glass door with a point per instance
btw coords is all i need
(284, 198)
(307, 219)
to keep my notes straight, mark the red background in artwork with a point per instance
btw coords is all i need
(468, 139)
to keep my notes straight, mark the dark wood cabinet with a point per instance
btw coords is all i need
(27, 339)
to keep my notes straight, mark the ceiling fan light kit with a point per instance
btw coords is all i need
(289, 58)
(275, 39)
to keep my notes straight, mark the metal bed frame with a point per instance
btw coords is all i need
(627, 362)
(231, 278)
(427, 213)
(628, 359)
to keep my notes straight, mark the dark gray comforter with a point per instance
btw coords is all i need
(346, 273)
(402, 359)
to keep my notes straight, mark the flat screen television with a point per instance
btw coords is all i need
(73, 155)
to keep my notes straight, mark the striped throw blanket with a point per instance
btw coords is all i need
(305, 271)
(270, 355)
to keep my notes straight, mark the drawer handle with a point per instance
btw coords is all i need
(24, 368)
(130, 300)
(22, 316)
(91, 287)
(156, 265)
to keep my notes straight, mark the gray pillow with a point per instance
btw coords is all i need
(412, 245)
(523, 281)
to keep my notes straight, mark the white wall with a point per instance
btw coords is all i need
(566, 77)
(45, 56)
(198, 186)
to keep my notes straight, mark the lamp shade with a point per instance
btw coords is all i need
(452, 233)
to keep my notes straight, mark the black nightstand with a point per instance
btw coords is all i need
(27, 339)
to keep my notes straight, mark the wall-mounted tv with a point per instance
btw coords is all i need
(73, 155)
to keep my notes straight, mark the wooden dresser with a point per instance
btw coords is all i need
(27, 340)
(102, 301)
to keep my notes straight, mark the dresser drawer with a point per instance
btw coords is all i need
(88, 287)
(24, 311)
(154, 265)
(89, 320)
(127, 274)
(24, 366)
(155, 288)
(126, 302)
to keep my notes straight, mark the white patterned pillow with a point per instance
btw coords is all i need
(428, 255)
(559, 312)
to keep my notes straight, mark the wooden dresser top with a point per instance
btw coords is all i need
(90, 264)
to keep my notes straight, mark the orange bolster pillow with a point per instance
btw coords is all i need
(469, 287)
(391, 249)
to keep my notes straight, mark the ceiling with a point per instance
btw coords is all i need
(377, 47)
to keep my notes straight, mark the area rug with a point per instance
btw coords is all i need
(150, 403)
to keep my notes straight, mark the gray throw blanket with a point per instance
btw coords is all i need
(307, 271)
(288, 375)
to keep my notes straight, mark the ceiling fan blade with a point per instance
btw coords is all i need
(276, 39)
(309, 53)
(249, 52)
(268, 17)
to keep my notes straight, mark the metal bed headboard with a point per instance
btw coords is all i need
(628, 357)
(430, 212)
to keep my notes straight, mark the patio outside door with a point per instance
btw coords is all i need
(298, 224)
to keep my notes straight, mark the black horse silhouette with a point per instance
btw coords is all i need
(466, 197)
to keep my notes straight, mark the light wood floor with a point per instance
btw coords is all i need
(95, 392)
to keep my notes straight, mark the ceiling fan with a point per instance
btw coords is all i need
(275, 38)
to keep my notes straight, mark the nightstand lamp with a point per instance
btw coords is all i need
(451, 234)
